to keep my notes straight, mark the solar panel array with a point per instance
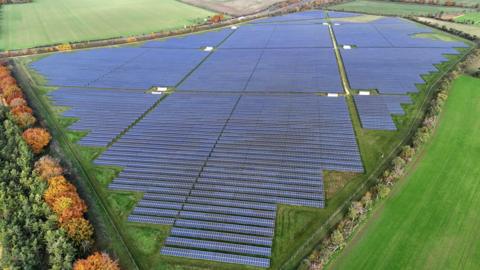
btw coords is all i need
(391, 70)
(276, 70)
(275, 36)
(123, 68)
(340, 14)
(215, 167)
(375, 111)
(389, 57)
(196, 41)
(388, 32)
(294, 17)
(244, 132)
(104, 113)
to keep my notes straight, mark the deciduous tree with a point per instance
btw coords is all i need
(68, 207)
(24, 120)
(97, 261)
(79, 230)
(47, 167)
(36, 138)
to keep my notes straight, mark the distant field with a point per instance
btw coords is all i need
(470, 29)
(234, 7)
(46, 22)
(431, 220)
(469, 18)
(388, 8)
(465, 2)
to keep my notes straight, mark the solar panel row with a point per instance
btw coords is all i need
(89, 106)
(375, 111)
(194, 41)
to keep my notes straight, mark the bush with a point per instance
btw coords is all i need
(68, 207)
(21, 109)
(97, 261)
(17, 102)
(80, 231)
(58, 187)
(36, 138)
(24, 120)
(383, 191)
(47, 167)
(407, 153)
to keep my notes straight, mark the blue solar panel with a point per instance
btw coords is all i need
(79, 68)
(225, 70)
(388, 32)
(375, 111)
(339, 14)
(123, 109)
(123, 68)
(296, 70)
(259, 36)
(193, 41)
(391, 70)
(279, 70)
(294, 17)
(155, 67)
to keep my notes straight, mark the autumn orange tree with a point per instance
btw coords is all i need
(80, 231)
(58, 187)
(24, 120)
(47, 167)
(69, 206)
(96, 261)
(36, 138)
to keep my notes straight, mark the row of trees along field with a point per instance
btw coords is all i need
(42, 223)
(447, 3)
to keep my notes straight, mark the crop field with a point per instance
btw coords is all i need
(469, 18)
(234, 7)
(221, 158)
(398, 9)
(45, 22)
(431, 220)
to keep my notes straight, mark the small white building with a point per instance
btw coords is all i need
(347, 47)
(234, 27)
(332, 95)
(208, 49)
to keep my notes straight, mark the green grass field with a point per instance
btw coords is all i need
(45, 22)
(469, 18)
(389, 8)
(431, 220)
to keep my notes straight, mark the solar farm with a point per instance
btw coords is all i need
(218, 129)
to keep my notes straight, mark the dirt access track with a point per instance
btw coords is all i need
(233, 7)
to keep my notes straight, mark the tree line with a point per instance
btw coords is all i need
(42, 217)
